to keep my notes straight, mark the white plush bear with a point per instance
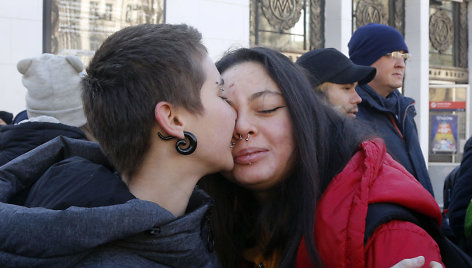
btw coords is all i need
(54, 90)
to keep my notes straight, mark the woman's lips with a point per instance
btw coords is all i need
(249, 156)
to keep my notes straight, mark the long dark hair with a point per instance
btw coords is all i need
(325, 141)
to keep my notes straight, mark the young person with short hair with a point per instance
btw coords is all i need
(154, 101)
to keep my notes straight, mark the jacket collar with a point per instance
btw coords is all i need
(373, 99)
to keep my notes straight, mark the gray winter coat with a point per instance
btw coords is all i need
(134, 234)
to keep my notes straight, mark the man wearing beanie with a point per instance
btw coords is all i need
(334, 77)
(383, 107)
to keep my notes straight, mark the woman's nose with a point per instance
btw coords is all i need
(243, 128)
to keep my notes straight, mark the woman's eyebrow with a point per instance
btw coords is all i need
(264, 93)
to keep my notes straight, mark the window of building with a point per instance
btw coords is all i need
(93, 10)
(290, 26)
(78, 27)
(108, 11)
(448, 34)
(448, 122)
(448, 76)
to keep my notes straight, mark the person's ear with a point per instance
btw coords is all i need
(169, 120)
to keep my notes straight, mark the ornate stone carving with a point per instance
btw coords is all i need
(316, 24)
(463, 35)
(368, 11)
(441, 30)
(282, 14)
(399, 16)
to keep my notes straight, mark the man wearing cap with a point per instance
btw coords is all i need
(335, 78)
(384, 108)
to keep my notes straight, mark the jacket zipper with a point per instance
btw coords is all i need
(390, 116)
(404, 113)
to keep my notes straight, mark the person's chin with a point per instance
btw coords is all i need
(245, 179)
(398, 83)
(248, 172)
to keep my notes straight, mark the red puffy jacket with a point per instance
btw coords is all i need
(371, 176)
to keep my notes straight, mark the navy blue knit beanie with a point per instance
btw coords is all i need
(372, 41)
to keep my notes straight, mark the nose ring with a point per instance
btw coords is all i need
(246, 139)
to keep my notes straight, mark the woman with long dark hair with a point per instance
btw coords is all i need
(303, 178)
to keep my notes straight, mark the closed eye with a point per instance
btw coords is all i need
(226, 99)
(271, 110)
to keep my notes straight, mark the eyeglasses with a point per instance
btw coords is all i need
(398, 55)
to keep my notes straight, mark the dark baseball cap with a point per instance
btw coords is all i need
(330, 65)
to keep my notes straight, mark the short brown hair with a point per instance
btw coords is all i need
(133, 70)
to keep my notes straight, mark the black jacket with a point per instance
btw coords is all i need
(19, 139)
(461, 195)
(132, 233)
(397, 129)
